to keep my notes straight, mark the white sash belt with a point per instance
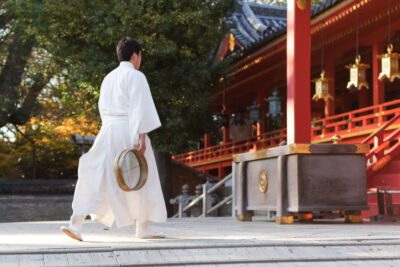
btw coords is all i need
(110, 119)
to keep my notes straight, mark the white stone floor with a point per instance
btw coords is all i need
(204, 242)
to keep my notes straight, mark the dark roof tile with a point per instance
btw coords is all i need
(255, 23)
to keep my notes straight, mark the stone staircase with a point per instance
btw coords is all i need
(372, 254)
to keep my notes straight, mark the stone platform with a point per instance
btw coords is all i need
(204, 242)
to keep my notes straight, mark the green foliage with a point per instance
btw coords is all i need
(55, 55)
(9, 161)
(179, 40)
(56, 159)
(43, 149)
(26, 68)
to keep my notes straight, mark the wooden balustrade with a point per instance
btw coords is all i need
(363, 120)
(383, 148)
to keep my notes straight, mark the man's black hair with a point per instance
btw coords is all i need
(126, 47)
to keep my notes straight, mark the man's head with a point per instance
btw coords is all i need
(129, 50)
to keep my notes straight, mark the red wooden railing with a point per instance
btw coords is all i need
(228, 149)
(362, 121)
(384, 148)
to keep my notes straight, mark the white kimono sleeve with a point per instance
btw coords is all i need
(143, 116)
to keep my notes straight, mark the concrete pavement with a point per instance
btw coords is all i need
(205, 242)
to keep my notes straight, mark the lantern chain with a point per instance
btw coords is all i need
(357, 28)
(389, 21)
(322, 49)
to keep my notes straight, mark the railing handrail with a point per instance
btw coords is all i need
(230, 143)
(361, 110)
(192, 203)
(321, 128)
(381, 129)
(203, 197)
(218, 185)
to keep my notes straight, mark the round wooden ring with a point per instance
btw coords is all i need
(119, 174)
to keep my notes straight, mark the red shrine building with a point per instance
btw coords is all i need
(334, 78)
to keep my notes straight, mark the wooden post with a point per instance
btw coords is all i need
(180, 210)
(221, 172)
(330, 73)
(263, 107)
(282, 215)
(204, 200)
(381, 201)
(363, 98)
(225, 134)
(378, 90)
(207, 140)
(234, 197)
(298, 57)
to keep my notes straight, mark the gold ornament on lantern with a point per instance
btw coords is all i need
(358, 70)
(322, 88)
(390, 65)
(231, 42)
(390, 60)
(358, 75)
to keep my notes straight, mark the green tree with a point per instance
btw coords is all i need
(60, 51)
(179, 39)
(25, 68)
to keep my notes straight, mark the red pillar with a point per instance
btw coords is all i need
(378, 90)
(298, 59)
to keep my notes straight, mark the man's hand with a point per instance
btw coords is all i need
(142, 143)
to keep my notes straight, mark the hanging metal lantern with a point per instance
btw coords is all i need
(274, 107)
(254, 113)
(274, 111)
(238, 118)
(358, 75)
(322, 88)
(390, 65)
(221, 119)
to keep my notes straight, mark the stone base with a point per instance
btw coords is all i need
(284, 220)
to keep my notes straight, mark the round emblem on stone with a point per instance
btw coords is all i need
(263, 181)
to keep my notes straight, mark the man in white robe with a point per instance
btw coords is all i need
(127, 113)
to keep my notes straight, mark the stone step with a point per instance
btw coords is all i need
(228, 255)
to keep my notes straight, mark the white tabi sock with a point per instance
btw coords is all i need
(141, 228)
(76, 222)
(144, 231)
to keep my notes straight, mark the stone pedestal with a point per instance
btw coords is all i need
(301, 178)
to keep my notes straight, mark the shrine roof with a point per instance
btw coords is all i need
(256, 23)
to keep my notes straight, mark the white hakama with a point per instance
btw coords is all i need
(126, 109)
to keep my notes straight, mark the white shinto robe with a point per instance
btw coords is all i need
(126, 109)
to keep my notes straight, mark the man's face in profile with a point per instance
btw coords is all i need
(136, 60)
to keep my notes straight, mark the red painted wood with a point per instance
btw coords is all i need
(378, 90)
(207, 140)
(263, 106)
(387, 181)
(394, 167)
(330, 74)
(298, 64)
(225, 134)
(344, 124)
